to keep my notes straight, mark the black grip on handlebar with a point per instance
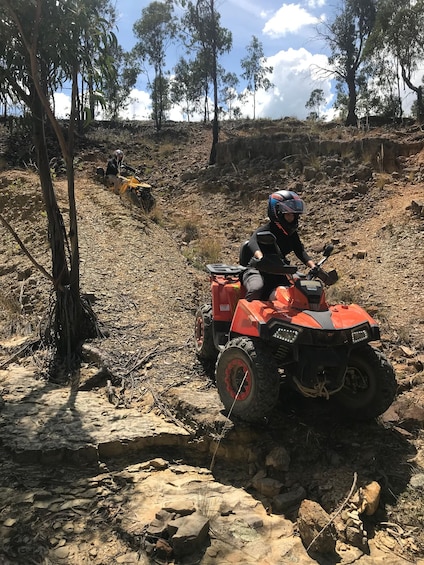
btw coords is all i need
(327, 278)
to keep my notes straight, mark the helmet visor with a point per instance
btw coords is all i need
(294, 206)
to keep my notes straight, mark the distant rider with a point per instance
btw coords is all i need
(113, 169)
(284, 208)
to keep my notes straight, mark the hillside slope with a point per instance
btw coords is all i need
(145, 277)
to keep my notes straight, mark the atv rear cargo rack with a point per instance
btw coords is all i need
(225, 270)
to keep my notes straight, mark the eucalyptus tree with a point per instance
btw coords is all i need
(41, 49)
(98, 63)
(156, 30)
(399, 32)
(229, 93)
(186, 87)
(255, 70)
(209, 40)
(347, 36)
(116, 88)
(381, 94)
(314, 103)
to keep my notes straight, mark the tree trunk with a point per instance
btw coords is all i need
(351, 119)
(215, 126)
(91, 97)
(71, 323)
(418, 91)
(420, 105)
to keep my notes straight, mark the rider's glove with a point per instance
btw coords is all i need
(254, 262)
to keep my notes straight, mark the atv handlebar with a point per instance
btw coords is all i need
(318, 273)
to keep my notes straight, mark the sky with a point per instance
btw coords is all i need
(289, 38)
(291, 43)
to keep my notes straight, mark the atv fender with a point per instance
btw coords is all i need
(348, 316)
(249, 318)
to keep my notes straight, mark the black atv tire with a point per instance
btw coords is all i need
(203, 334)
(244, 357)
(146, 200)
(370, 385)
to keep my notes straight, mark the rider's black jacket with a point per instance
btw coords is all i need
(112, 167)
(286, 243)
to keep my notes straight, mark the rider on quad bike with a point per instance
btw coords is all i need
(113, 169)
(284, 208)
(126, 181)
(293, 335)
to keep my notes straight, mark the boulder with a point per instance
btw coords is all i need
(317, 532)
(188, 533)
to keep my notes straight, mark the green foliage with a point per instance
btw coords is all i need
(116, 89)
(255, 70)
(399, 33)
(85, 32)
(187, 86)
(160, 99)
(347, 37)
(229, 94)
(316, 100)
(156, 30)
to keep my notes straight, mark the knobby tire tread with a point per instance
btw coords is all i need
(207, 351)
(265, 374)
(382, 377)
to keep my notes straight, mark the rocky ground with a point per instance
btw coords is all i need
(100, 470)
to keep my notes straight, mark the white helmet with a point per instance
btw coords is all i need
(119, 154)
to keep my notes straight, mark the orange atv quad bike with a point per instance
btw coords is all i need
(320, 350)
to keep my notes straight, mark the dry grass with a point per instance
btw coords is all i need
(203, 251)
(381, 179)
(9, 303)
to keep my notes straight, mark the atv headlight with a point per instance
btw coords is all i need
(360, 334)
(286, 334)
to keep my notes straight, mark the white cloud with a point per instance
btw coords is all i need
(294, 76)
(139, 108)
(290, 18)
(62, 105)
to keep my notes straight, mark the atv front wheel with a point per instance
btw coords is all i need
(247, 379)
(370, 384)
(203, 333)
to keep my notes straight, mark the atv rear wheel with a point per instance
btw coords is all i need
(247, 379)
(203, 333)
(370, 384)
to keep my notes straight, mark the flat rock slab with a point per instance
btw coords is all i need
(40, 419)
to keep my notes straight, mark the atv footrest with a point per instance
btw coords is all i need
(225, 270)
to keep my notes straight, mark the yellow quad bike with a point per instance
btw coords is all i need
(138, 192)
(132, 187)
